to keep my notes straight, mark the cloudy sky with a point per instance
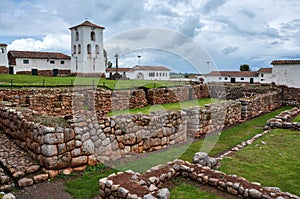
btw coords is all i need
(230, 32)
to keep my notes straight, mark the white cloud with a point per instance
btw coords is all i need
(48, 43)
(232, 31)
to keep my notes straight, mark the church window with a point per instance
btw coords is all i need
(93, 36)
(74, 49)
(77, 36)
(97, 49)
(79, 49)
(2, 50)
(25, 61)
(89, 50)
(52, 62)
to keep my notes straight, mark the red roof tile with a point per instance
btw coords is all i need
(119, 69)
(285, 62)
(233, 73)
(89, 24)
(156, 68)
(265, 70)
(38, 55)
(3, 44)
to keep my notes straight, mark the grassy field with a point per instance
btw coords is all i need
(272, 160)
(227, 140)
(169, 106)
(40, 81)
(185, 190)
(297, 119)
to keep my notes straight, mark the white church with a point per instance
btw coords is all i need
(87, 48)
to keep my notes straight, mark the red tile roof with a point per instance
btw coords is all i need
(233, 73)
(38, 55)
(89, 24)
(156, 68)
(3, 44)
(285, 62)
(119, 69)
(265, 70)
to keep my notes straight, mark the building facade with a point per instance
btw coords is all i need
(3, 55)
(37, 63)
(87, 48)
(231, 77)
(265, 75)
(286, 72)
(141, 72)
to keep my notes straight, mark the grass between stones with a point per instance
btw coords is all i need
(272, 160)
(32, 80)
(296, 119)
(185, 190)
(86, 186)
(169, 106)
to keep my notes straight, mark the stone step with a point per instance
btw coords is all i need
(17, 167)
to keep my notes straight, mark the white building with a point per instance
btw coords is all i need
(142, 72)
(232, 77)
(87, 48)
(31, 62)
(265, 75)
(286, 72)
(3, 55)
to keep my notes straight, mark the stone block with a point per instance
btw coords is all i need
(49, 150)
(79, 161)
(54, 138)
(25, 182)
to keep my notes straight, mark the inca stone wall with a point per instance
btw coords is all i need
(213, 117)
(177, 94)
(146, 185)
(259, 104)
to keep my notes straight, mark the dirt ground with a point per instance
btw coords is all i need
(45, 190)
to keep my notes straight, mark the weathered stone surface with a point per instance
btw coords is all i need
(79, 161)
(24, 182)
(40, 178)
(49, 150)
(255, 193)
(163, 193)
(54, 138)
(88, 147)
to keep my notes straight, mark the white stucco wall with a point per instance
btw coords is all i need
(288, 75)
(228, 79)
(41, 64)
(266, 78)
(3, 56)
(144, 74)
(84, 62)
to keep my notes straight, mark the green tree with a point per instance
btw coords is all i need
(245, 67)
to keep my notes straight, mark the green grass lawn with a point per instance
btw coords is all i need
(272, 160)
(186, 190)
(31, 80)
(297, 119)
(169, 106)
(87, 185)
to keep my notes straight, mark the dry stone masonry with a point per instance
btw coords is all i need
(282, 120)
(151, 183)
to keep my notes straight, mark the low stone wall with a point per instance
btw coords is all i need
(281, 120)
(90, 138)
(259, 104)
(134, 185)
(290, 96)
(212, 118)
(109, 139)
(47, 72)
(63, 101)
(236, 91)
(177, 94)
(52, 146)
(4, 70)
